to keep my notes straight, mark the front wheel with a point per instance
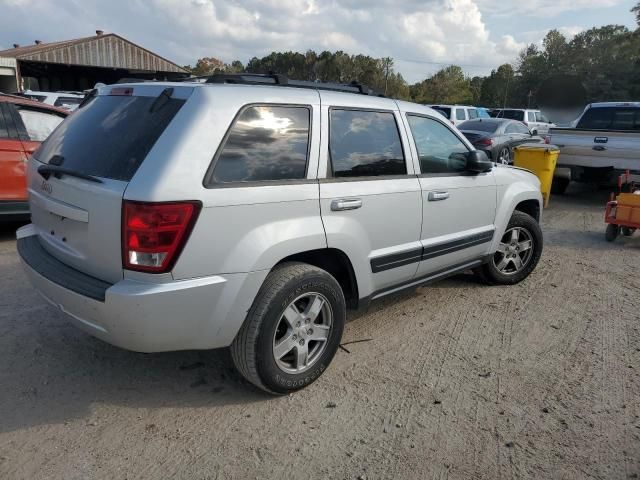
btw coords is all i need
(518, 252)
(292, 330)
(612, 232)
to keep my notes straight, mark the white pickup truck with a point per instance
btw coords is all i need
(604, 143)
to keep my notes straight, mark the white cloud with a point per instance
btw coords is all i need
(542, 8)
(421, 35)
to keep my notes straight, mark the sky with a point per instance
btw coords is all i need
(421, 36)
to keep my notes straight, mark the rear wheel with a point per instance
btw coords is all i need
(612, 232)
(504, 156)
(292, 330)
(518, 253)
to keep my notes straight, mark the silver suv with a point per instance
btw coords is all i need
(252, 211)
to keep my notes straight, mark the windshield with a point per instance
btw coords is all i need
(110, 136)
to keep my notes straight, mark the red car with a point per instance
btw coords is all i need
(24, 124)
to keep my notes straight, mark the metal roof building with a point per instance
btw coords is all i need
(80, 63)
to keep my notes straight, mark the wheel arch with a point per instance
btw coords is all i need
(337, 263)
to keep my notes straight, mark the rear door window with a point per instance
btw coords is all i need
(38, 124)
(460, 114)
(266, 142)
(610, 118)
(111, 135)
(531, 117)
(365, 143)
(472, 112)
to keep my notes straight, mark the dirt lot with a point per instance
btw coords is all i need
(460, 381)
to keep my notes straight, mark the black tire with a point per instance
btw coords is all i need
(627, 231)
(559, 185)
(252, 349)
(489, 272)
(612, 232)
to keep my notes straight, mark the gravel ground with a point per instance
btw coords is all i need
(458, 380)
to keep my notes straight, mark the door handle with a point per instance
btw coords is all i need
(599, 148)
(345, 204)
(437, 196)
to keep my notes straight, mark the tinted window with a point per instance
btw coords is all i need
(444, 111)
(479, 125)
(365, 143)
(611, 118)
(38, 124)
(110, 136)
(265, 143)
(439, 150)
(521, 128)
(511, 128)
(472, 112)
(460, 114)
(512, 114)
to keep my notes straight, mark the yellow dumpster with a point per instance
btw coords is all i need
(540, 159)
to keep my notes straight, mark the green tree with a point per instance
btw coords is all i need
(636, 11)
(497, 89)
(448, 85)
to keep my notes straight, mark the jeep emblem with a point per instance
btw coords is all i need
(46, 186)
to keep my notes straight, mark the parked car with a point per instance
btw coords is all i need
(65, 100)
(24, 124)
(604, 144)
(252, 214)
(497, 137)
(537, 122)
(456, 114)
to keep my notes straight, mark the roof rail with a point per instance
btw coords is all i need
(276, 79)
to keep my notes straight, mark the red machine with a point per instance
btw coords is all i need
(622, 214)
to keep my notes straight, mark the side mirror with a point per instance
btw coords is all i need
(477, 161)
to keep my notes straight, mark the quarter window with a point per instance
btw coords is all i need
(265, 143)
(531, 116)
(439, 150)
(364, 144)
(472, 112)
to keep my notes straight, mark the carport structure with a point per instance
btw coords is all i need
(80, 63)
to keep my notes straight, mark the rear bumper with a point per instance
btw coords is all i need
(201, 313)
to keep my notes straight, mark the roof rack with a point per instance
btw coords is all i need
(282, 80)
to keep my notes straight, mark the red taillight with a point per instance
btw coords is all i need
(153, 234)
(485, 142)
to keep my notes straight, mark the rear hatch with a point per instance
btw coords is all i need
(78, 177)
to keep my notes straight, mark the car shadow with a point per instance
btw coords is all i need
(53, 373)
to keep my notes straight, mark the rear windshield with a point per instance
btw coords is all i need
(110, 136)
(479, 126)
(444, 111)
(512, 114)
(611, 118)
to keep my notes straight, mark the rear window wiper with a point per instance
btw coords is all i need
(46, 170)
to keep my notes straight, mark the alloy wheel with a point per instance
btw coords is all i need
(504, 156)
(515, 251)
(302, 333)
